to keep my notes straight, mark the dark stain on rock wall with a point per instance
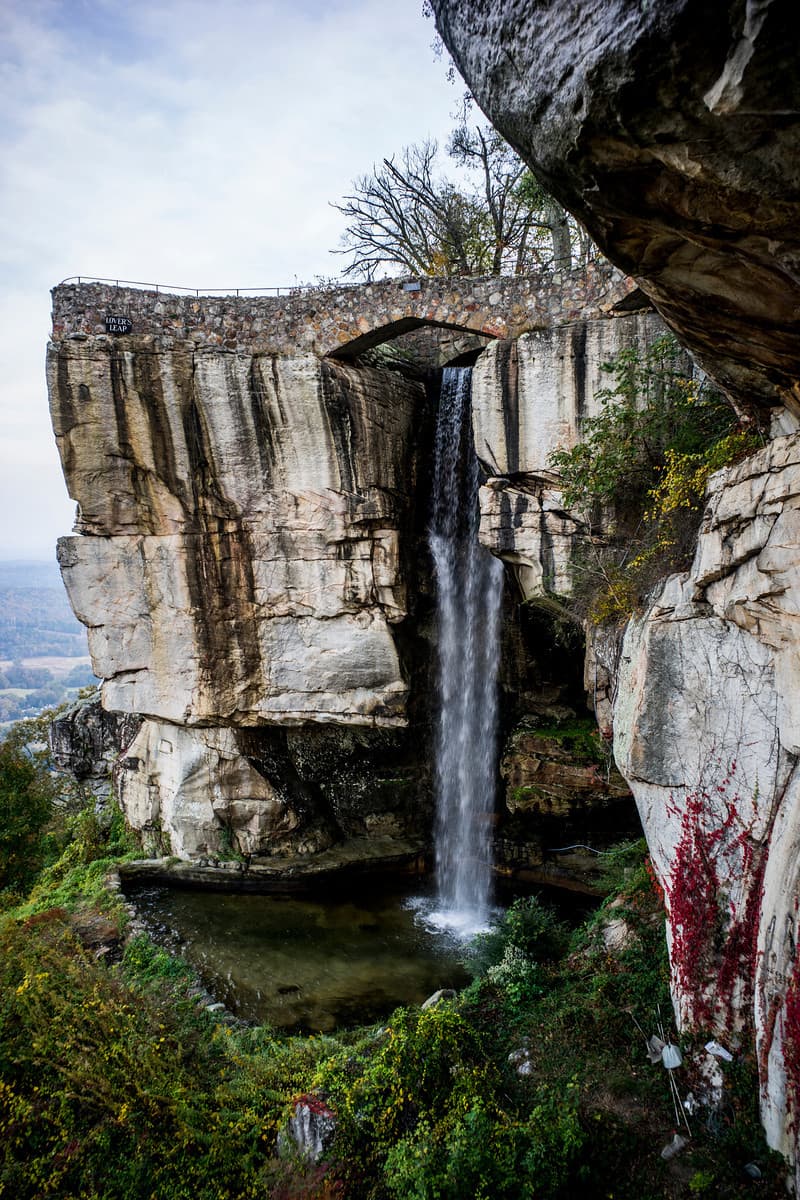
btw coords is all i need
(258, 414)
(337, 399)
(508, 366)
(578, 340)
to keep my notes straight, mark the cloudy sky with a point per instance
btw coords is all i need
(184, 142)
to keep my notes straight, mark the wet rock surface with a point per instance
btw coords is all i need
(86, 741)
(548, 774)
(270, 792)
(561, 800)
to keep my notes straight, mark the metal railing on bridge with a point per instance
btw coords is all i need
(170, 288)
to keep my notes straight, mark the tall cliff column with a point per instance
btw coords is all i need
(237, 554)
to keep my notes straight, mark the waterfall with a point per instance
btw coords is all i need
(469, 586)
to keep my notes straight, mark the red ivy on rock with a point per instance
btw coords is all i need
(791, 1043)
(713, 945)
(314, 1103)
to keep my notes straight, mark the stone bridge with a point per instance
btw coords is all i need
(343, 321)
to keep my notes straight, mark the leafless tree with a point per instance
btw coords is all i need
(407, 214)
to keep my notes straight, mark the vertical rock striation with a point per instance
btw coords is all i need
(706, 721)
(529, 398)
(248, 552)
(244, 541)
(244, 513)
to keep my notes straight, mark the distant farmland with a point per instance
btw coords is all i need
(43, 652)
(35, 616)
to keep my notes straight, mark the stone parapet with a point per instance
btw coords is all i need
(345, 320)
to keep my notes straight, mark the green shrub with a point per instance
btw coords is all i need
(26, 807)
(424, 1067)
(623, 867)
(477, 1153)
(529, 927)
(639, 474)
(43, 815)
(485, 1154)
(146, 965)
(579, 736)
(654, 405)
(112, 1086)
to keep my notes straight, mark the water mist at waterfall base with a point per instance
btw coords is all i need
(469, 587)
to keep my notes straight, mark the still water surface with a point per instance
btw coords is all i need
(307, 964)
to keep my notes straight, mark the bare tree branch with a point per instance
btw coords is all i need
(408, 215)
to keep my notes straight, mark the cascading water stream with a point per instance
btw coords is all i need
(469, 586)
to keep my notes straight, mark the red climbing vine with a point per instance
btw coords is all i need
(314, 1103)
(713, 943)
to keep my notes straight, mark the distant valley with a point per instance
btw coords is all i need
(44, 657)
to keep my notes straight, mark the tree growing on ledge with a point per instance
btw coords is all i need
(497, 220)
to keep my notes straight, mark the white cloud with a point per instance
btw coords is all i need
(185, 142)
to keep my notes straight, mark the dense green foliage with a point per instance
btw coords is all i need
(25, 809)
(40, 813)
(528, 932)
(640, 471)
(115, 1086)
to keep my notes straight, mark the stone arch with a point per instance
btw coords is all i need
(391, 331)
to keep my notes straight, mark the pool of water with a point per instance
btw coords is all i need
(307, 964)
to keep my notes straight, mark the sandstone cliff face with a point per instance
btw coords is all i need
(529, 398)
(248, 549)
(244, 542)
(248, 553)
(244, 513)
(671, 130)
(270, 792)
(707, 732)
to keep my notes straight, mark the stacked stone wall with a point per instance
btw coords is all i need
(334, 320)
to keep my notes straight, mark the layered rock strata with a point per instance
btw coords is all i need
(530, 397)
(246, 549)
(244, 513)
(270, 792)
(706, 730)
(564, 800)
